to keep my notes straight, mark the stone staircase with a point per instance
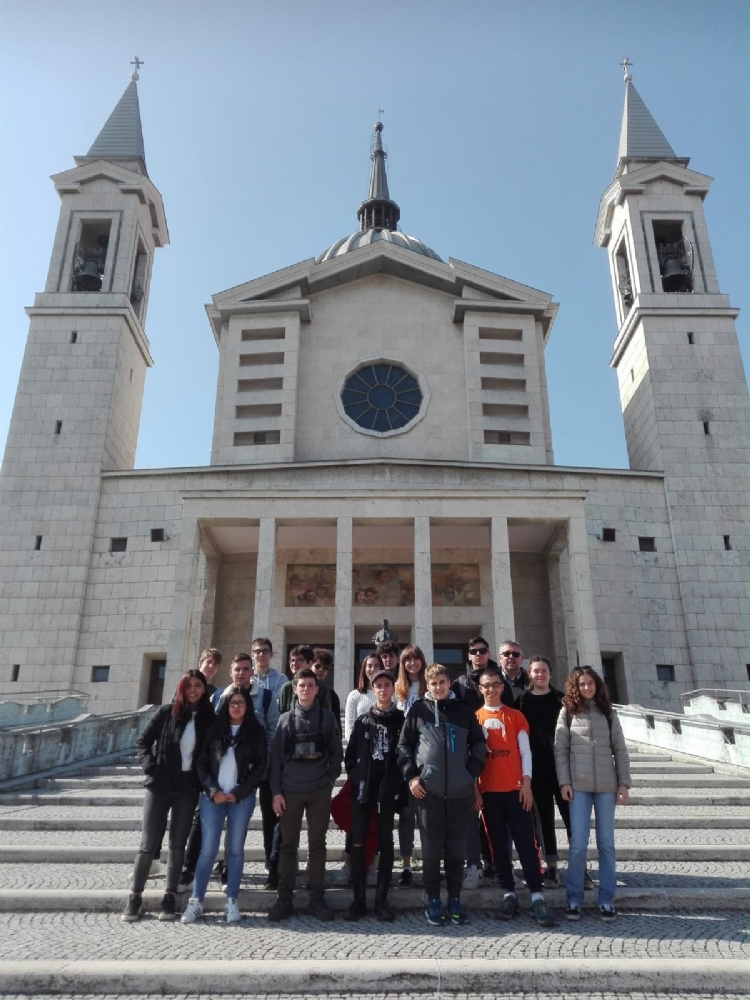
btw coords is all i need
(68, 844)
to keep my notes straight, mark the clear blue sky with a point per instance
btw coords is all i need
(502, 121)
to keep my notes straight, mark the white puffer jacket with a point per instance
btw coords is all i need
(590, 754)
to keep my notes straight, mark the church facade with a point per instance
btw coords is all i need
(346, 485)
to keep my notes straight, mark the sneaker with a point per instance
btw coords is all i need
(186, 881)
(588, 882)
(551, 878)
(193, 910)
(132, 911)
(434, 913)
(343, 876)
(406, 878)
(168, 908)
(472, 875)
(573, 912)
(232, 911)
(456, 913)
(508, 908)
(282, 909)
(319, 910)
(608, 914)
(541, 913)
(372, 874)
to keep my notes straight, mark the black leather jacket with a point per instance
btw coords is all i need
(158, 746)
(249, 754)
(358, 758)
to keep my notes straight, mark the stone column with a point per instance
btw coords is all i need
(502, 588)
(582, 589)
(264, 577)
(180, 656)
(423, 587)
(343, 631)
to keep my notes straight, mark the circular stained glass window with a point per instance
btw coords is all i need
(381, 397)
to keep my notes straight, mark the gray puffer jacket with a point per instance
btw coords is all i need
(590, 754)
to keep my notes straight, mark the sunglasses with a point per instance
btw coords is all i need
(513, 652)
(478, 652)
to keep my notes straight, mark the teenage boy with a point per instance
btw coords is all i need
(389, 652)
(265, 686)
(306, 757)
(301, 658)
(504, 796)
(208, 664)
(441, 754)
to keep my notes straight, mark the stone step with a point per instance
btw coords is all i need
(110, 854)
(623, 821)
(671, 768)
(260, 900)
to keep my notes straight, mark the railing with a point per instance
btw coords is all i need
(26, 708)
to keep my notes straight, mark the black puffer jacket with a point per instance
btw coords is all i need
(249, 755)
(466, 688)
(358, 757)
(158, 746)
(443, 745)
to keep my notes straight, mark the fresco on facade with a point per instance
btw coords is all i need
(310, 586)
(383, 585)
(455, 585)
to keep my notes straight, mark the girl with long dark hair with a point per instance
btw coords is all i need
(230, 766)
(593, 769)
(167, 750)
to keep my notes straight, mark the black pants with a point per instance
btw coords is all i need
(316, 807)
(443, 824)
(180, 802)
(545, 797)
(361, 813)
(270, 819)
(503, 815)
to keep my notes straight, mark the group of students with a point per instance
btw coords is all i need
(477, 765)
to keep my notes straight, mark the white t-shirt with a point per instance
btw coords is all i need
(187, 744)
(228, 768)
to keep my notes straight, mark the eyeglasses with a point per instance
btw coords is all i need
(479, 651)
(489, 687)
(512, 652)
(236, 704)
(263, 649)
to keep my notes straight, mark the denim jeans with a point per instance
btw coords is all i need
(604, 821)
(237, 815)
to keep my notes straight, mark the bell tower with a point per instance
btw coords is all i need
(683, 391)
(78, 403)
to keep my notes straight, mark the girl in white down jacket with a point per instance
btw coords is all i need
(593, 769)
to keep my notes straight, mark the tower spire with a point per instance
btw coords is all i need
(121, 138)
(640, 136)
(378, 211)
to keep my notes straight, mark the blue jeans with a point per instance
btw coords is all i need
(238, 815)
(580, 821)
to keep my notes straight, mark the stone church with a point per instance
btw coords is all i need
(345, 485)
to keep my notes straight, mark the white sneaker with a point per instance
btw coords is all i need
(232, 911)
(343, 876)
(193, 910)
(472, 875)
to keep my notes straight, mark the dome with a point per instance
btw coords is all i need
(363, 238)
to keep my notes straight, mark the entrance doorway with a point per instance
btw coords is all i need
(157, 671)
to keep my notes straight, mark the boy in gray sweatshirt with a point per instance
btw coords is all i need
(305, 761)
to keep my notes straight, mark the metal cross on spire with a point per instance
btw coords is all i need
(626, 64)
(137, 63)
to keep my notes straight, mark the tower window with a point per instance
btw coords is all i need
(99, 675)
(727, 543)
(157, 534)
(118, 544)
(665, 671)
(15, 670)
(58, 426)
(675, 255)
(632, 374)
(624, 280)
(676, 726)
(691, 338)
(650, 722)
(646, 544)
(90, 255)
(131, 374)
(706, 427)
(38, 543)
(74, 337)
(608, 534)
